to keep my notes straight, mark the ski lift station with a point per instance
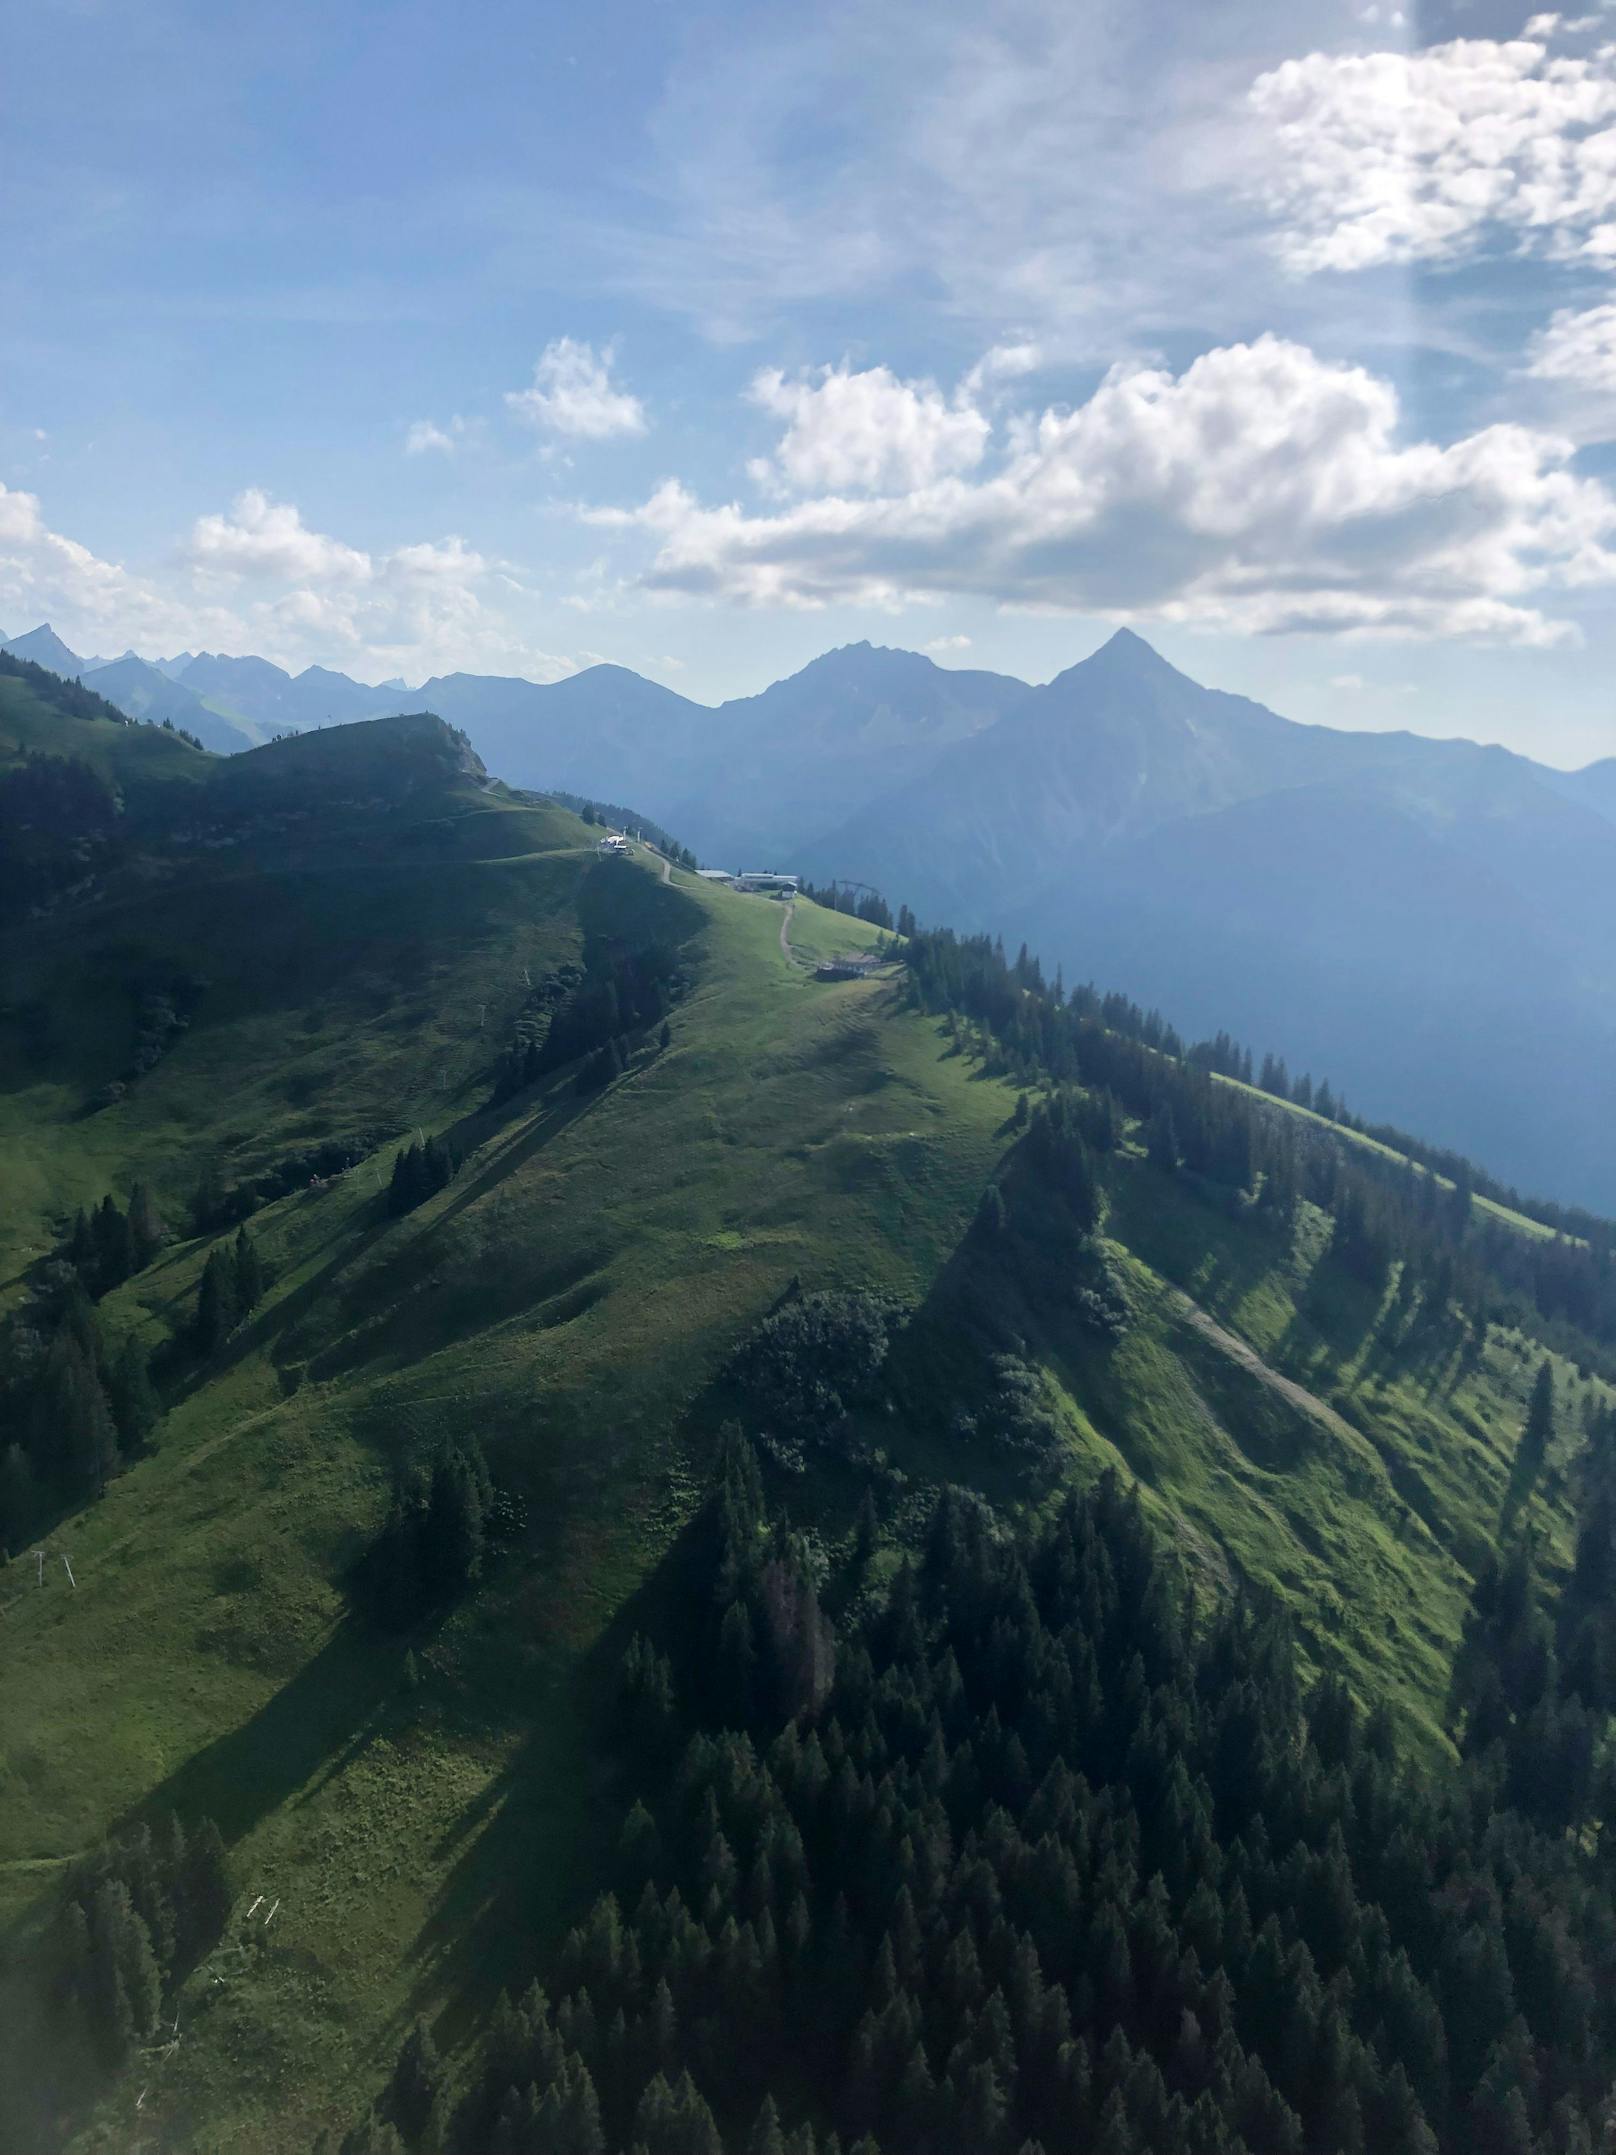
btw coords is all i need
(766, 880)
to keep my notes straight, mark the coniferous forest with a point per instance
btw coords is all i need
(1039, 1849)
(949, 1793)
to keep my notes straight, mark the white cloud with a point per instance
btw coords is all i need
(948, 643)
(573, 393)
(1004, 363)
(1420, 156)
(1347, 680)
(1577, 347)
(426, 438)
(865, 432)
(46, 576)
(1263, 488)
(269, 539)
(257, 578)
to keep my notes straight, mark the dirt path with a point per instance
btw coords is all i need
(1296, 1394)
(792, 957)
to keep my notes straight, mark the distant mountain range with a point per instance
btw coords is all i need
(1426, 923)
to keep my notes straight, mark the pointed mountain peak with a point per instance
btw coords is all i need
(47, 649)
(1124, 648)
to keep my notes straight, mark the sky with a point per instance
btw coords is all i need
(410, 338)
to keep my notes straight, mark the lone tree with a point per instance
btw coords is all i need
(1535, 1437)
(216, 1310)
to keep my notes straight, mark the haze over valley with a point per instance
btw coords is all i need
(807, 1009)
(1413, 921)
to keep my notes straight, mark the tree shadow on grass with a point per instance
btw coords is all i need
(1525, 1471)
(533, 1850)
(323, 1718)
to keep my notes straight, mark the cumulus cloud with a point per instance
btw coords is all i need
(1578, 348)
(257, 578)
(264, 538)
(1262, 488)
(46, 576)
(573, 393)
(1420, 156)
(415, 608)
(864, 432)
(948, 643)
(426, 438)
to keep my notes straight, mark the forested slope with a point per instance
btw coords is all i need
(562, 1401)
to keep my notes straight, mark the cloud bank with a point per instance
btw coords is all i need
(257, 578)
(1262, 488)
(1390, 157)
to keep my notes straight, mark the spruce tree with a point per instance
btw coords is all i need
(74, 1442)
(136, 1409)
(125, 1990)
(248, 1274)
(216, 1310)
(19, 1497)
(1539, 1430)
(146, 1231)
(114, 1247)
(417, 2099)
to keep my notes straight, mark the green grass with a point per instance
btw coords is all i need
(1511, 1218)
(572, 1299)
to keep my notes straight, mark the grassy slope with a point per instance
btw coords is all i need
(1510, 1217)
(124, 755)
(571, 1297)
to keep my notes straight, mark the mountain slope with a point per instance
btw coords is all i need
(275, 699)
(45, 648)
(364, 918)
(852, 725)
(597, 729)
(144, 692)
(1240, 869)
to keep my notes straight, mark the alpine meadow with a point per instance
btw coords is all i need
(618, 1543)
(807, 1128)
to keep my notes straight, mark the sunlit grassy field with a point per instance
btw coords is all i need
(425, 1816)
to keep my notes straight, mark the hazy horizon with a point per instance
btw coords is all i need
(704, 343)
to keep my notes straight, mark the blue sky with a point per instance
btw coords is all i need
(410, 338)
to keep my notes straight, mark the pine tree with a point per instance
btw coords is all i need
(136, 1409)
(1161, 1140)
(202, 1893)
(453, 1532)
(417, 2098)
(19, 1497)
(146, 1230)
(124, 1988)
(114, 1258)
(766, 2137)
(247, 1274)
(1539, 1430)
(208, 1201)
(74, 1442)
(215, 1302)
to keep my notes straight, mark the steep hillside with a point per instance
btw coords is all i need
(45, 648)
(367, 944)
(851, 726)
(1422, 921)
(145, 692)
(273, 699)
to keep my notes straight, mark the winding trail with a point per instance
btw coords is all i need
(1294, 1394)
